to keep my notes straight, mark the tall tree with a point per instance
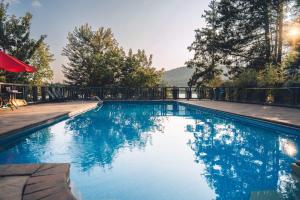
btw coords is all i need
(206, 60)
(279, 7)
(246, 31)
(94, 57)
(245, 35)
(41, 60)
(15, 39)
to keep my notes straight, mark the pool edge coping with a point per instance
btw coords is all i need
(262, 120)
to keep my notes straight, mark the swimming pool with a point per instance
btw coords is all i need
(164, 150)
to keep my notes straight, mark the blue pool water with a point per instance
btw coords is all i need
(162, 151)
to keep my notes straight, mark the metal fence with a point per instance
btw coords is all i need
(269, 96)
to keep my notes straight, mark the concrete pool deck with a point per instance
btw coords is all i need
(35, 181)
(28, 116)
(275, 114)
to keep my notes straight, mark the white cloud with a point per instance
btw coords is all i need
(36, 3)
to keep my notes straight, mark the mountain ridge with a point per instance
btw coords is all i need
(177, 77)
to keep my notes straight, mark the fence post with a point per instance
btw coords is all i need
(163, 93)
(175, 92)
(25, 92)
(188, 93)
(34, 94)
(43, 92)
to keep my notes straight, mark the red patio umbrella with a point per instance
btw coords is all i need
(12, 64)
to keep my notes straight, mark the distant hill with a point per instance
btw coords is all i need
(178, 76)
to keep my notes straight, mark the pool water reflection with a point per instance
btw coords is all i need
(160, 150)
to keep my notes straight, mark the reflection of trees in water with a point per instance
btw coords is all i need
(98, 136)
(239, 159)
(28, 149)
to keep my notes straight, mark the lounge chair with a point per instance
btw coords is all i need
(51, 95)
(57, 93)
(19, 102)
(12, 102)
(54, 95)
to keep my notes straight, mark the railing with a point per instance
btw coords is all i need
(269, 96)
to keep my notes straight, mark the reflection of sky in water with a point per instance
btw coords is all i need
(162, 151)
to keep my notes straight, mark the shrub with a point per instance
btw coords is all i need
(216, 82)
(271, 76)
(248, 78)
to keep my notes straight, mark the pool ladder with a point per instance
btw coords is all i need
(100, 101)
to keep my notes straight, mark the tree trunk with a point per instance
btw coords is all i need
(275, 50)
(280, 31)
(267, 32)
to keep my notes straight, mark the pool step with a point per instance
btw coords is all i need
(100, 101)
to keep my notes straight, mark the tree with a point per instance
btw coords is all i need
(41, 59)
(253, 33)
(240, 36)
(94, 57)
(279, 7)
(137, 71)
(206, 60)
(292, 65)
(245, 29)
(15, 40)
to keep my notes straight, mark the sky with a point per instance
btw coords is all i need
(164, 28)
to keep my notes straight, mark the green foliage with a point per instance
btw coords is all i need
(41, 59)
(137, 70)
(95, 59)
(216, 82)
(15, 40)
(292, 65)
(244, 41)
(293, 82)
(206, 58)
(248, 78)
(251, 33)
(272, 76)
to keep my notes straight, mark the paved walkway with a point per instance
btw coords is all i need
(31, 115)
(288, 116)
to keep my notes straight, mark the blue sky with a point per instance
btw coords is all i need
(163, 28)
